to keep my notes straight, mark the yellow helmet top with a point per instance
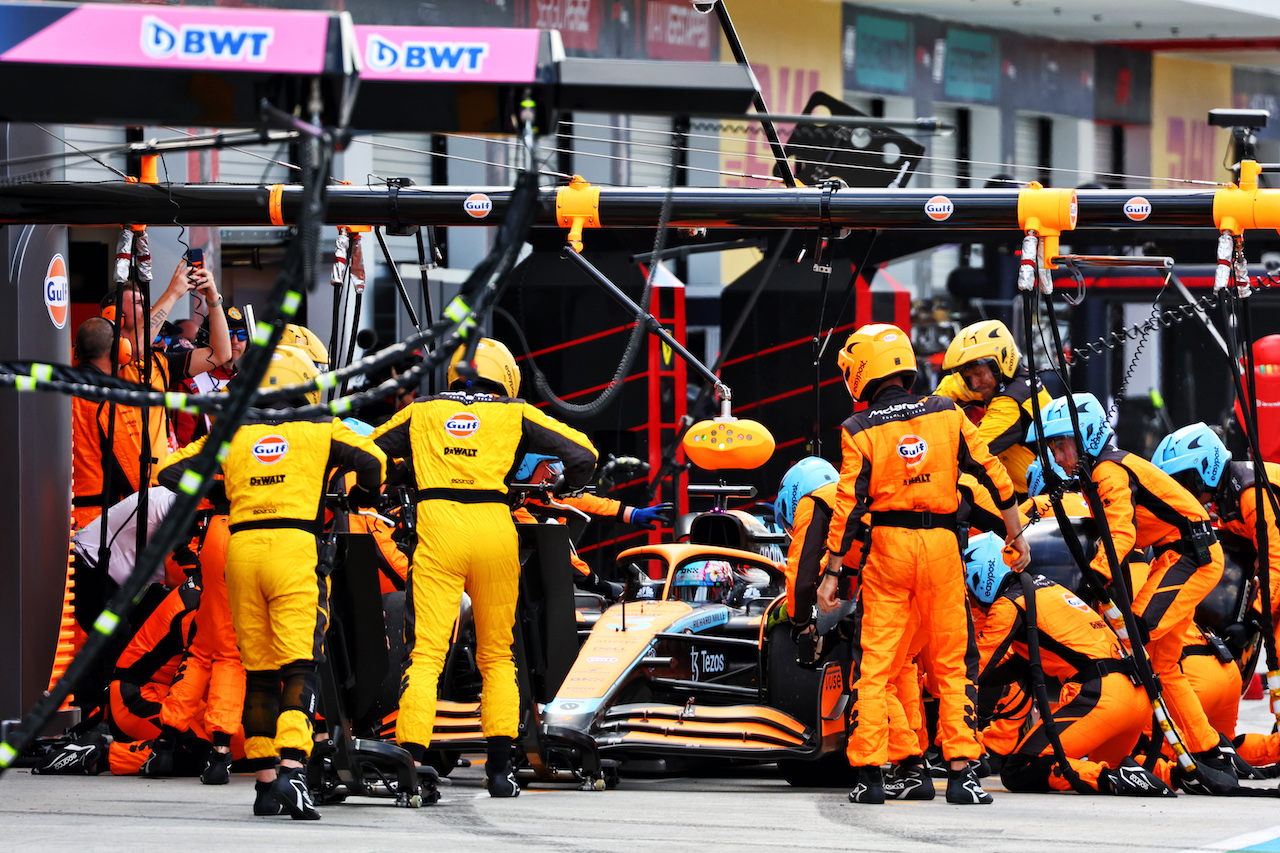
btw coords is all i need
(984, 340)
(875, 352)
(290, 366)
(305, 340)
(493, 362)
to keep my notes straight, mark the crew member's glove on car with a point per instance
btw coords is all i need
(361, 498)
(645, 516)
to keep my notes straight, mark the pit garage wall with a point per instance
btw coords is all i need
(35, 452)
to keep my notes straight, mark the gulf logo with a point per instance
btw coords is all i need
(1137, 208)
(938, 208)
(462, 425)
(270, 449)
(57, 291)
(477, 205)
(912, 448)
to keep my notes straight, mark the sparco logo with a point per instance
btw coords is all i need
(938, 208)
(1137, 208)
(459, 451)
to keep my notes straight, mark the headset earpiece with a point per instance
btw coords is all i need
(126, 352)
(109, 313)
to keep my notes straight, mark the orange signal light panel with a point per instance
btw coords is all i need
(728, 443)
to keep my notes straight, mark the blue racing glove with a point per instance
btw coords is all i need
(645, 516)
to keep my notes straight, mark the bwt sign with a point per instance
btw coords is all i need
(384, 55)
(205, 41)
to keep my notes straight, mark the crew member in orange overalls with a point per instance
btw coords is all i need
(902, 459)
(211, 677)
(1145, 507)
(91, 421)
(463, 446)
(1101, 712)
(1199, 461)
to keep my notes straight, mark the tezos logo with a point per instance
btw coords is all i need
(912, 448)
(56, 291)
(477, 205)
(462, 425)
(938, 208)
(1137, 208)
(270, 449)
(205, 41)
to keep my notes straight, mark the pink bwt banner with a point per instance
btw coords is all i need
(187, 38)
(471, 54)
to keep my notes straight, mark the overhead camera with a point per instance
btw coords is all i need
(1252, 119)
(704, 6)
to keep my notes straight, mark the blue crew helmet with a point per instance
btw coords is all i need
(1193, 453)
(1094, 429)
(530, 463)
(984, 567)
(708, 581)
(803, 478)
(1035, 476)
(358, 426)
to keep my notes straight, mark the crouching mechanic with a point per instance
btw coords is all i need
(902, 459)
(987, 359)
(1102, 709)
(540, 469)
(1146, 508)
(276, 471)
(806, 499)
(1199, 461)
(463, 446)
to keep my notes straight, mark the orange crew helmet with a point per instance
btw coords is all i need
(873, 353)
(493, 362)
(986, 340)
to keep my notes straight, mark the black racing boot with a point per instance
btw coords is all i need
(500, 777)
(159, 763)
(217, 769)
(290, 790)
(265, 805)
(1214, 775)
(870, 787)
(964, 789)
(1131, 779)
(1244, 770)
(909, 780)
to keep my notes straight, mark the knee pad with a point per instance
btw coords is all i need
(298, 688)
(261, 703)
(1020, 773)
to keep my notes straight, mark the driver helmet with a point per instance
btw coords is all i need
(530, 463)
(704, 581)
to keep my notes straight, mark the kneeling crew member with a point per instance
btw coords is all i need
(1102, 710)
(1145, 508)
(464, 445)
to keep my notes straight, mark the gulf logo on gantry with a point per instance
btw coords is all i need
(938, 208)
(477, 205)
(270, 449)
(462, 425)
(1137, 208)
(56, 291)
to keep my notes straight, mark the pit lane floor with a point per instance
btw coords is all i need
(753, 811)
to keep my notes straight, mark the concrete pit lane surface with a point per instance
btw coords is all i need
(753, 810)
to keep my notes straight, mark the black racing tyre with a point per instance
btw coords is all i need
(829, 771)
